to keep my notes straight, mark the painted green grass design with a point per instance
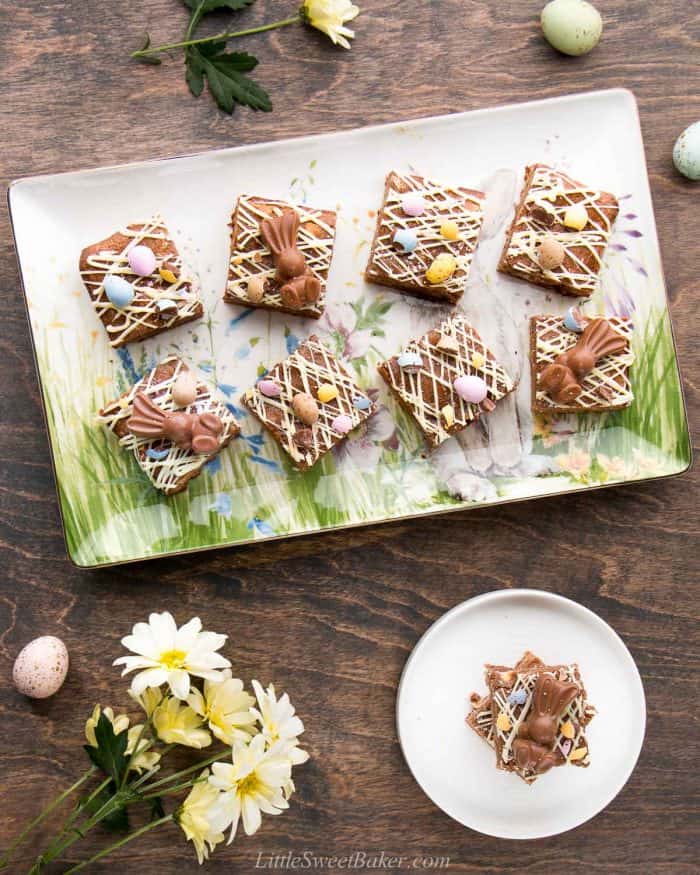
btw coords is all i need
(111, 513)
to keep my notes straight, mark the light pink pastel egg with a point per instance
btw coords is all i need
(142, 260)
(470, 388)
(270, 388)
(342, 424)
(413, 204)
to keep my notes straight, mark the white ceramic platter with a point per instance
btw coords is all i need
(110, 512)
(457, 769)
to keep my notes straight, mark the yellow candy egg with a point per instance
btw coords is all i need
(448, 415)
(578, 754)
(327, 392)
(478, 361)
(441, 269)
(567, 729)
(503, 722)
(576, 217)
(167, 275)
(450, 230)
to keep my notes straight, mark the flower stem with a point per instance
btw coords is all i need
(218, 37)
(45, 813)
(120, 843)
(201, 765)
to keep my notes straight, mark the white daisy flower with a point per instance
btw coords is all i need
(226, 707)
(253, 783)
(279, 723)
(329, 16)
(202, 818)
(170, 655)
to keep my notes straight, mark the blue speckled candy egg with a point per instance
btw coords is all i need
(406, 239)
(572, 27)
(686, 152)
(119, 292)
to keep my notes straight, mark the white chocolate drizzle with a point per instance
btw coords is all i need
(166, 474)
(575, 274)
(142, 312)
(308, 367)
(462, 206)
(607, 385)
(579, 713)
(250, 256)
(441, 369)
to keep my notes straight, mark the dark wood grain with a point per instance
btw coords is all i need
(332, 618)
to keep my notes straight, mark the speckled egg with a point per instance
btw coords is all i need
(572, 27)
(41, 667)
(686, 152)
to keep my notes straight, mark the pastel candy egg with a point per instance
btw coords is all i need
(342, 424)
(305, 407)
(141, 260)
(686, 152)
(327, 392)
(361, 402)
(255, 289)
(269, 388)
(573, 320)
(576, 217)
(413, 204)
(550, 253)
(409, 360)
(441, 269)
(572, 27)
(167, 275)
(184, 390)
(470, 388)
(41, 667)
(157, 455)
(450, 230)
(120, 293)
(406, 239)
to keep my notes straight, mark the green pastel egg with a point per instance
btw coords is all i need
(686, 152)
(571, 26)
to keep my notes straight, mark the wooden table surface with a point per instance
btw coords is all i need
(332, 618)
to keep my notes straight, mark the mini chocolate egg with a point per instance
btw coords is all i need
(269, 388)
(119, 291)
(184, 389)
(361, 402)
(41, 667)
(686, 152)
(342, 424)
(406, 239)
(441, 269)
(326, 392)
(572, 27)
(470, 388)
(413, 204)
(574, 320)
(305, 407)
(576, 217)
(450, 230)
(409, 360)
(141, 260)
(550, 253)
(255, 289)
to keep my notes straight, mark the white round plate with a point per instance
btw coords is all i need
(456, 768)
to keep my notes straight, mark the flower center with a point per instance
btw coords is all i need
(172, 659)
(249, 785)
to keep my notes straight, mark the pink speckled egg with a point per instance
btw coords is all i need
(141, 260)
(41, 667)
(470, 388)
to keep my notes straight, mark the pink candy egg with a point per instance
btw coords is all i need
(471, 389)
(141, 260)
(270, 388)
(342, 424)
(413, 204)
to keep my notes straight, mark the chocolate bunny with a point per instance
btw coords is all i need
(299, 286)
(190, 431)
(563, 377)
(536, 735)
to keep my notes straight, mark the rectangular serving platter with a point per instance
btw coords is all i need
(250, 492)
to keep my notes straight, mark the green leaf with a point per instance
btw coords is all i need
(200, 8)
(224, 74)
(118, 820)
(109, 755)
